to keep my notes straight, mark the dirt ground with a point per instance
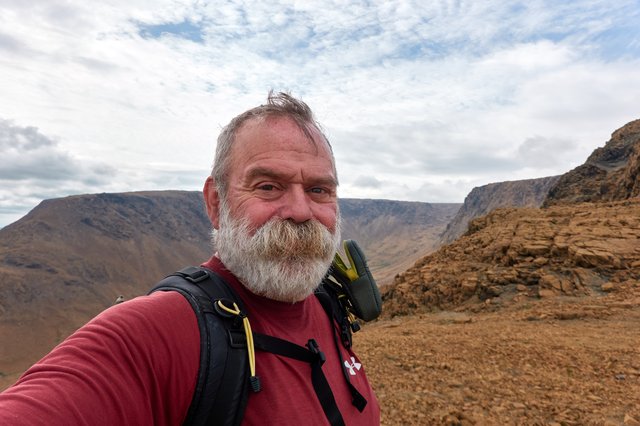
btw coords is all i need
(560, 361)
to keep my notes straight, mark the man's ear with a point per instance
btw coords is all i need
(212, 201)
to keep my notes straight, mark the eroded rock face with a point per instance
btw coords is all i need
(514, 254)
(483, 199)
(610, 173)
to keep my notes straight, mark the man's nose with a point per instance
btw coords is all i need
(297, 205)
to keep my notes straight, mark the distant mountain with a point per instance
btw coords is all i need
(481, 200)
(570, 247)
(70, 258)
(394, 234)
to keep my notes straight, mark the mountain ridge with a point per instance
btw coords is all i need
(70, 258)
(483, 199)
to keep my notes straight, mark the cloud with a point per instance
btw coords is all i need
(28, 155)
(367, 182)
(10, 43)
(420, 99)
(34, 167)
(537, 150)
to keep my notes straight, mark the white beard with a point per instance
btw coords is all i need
(282, 260)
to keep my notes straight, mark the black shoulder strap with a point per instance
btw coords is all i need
(329, 299)
(223, 378)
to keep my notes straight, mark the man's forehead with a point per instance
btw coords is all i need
(274, 123)
(273, 137)
(277, 134)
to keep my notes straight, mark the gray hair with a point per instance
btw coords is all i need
(278, 105)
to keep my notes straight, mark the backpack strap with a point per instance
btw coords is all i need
(315, 357)
(328, 296)
(223, 377)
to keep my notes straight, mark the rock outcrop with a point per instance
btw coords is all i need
(515, 254)
(481, 200)
(611, 172)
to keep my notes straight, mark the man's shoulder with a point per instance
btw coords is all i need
(160, 310)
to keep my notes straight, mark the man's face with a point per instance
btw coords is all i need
(275, 171)
(277, 227)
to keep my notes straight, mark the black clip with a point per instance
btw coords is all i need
(315, 349)
(345, 334)
(193, 274)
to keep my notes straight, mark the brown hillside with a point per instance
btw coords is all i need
(72, 257)
(394, 234)
(559, 361)
(530, 318)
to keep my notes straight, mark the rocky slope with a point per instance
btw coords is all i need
(571, 361)
(481, 200)
(564, 249)
(516, 254)
(530, 318)
(611, 172)
(70, 258)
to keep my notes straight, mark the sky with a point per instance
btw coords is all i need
(421, 100)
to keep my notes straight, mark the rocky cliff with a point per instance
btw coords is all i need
(611, 172)
(570, 247)
(481, 200)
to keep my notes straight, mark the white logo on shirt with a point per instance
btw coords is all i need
(353, 366)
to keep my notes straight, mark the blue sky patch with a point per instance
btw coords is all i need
(185, 29)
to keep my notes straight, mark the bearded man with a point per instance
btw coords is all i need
(272, 201)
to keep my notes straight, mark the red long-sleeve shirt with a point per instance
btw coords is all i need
(137, 363)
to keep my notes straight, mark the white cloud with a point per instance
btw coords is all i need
(420, 99)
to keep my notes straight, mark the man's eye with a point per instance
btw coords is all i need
(267, 187)
(318, 190)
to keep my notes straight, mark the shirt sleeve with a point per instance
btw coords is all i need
(135, 363)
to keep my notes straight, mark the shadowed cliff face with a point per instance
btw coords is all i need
(70, 258)
(482, 200)
(570, 248)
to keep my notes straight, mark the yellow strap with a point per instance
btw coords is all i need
(247, 331)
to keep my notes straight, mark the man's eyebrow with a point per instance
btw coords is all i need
(264, 172)
(325, 180)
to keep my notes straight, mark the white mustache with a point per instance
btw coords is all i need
(278, 239)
